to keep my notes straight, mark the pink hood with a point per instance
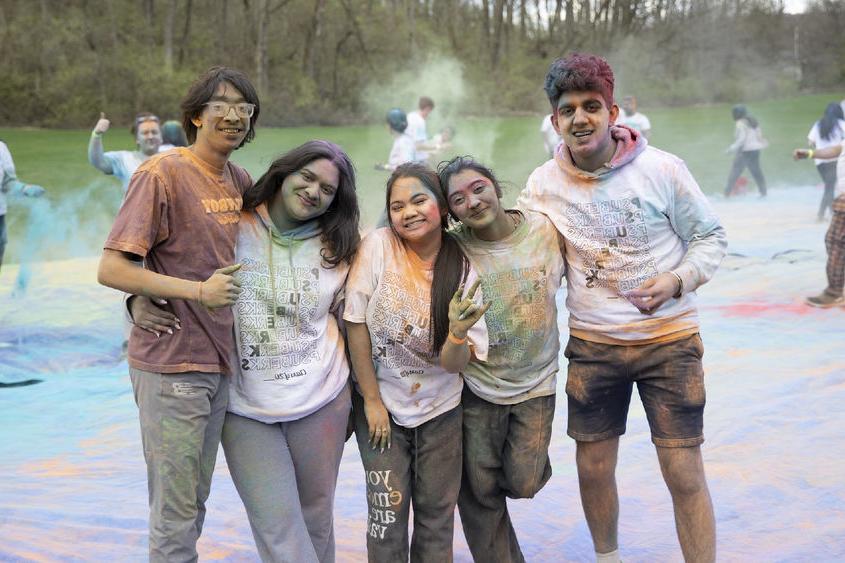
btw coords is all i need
(629, 144)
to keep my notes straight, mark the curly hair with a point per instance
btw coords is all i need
(579, 72)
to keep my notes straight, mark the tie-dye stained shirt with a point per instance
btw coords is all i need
(389, 289)
(640, 215)
(520, 275)
(291, 356)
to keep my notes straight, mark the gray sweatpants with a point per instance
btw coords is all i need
(181, 420)
(286, 475)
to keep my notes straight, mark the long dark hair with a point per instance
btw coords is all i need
(451, 265)
(445, 171)
(339, 224)
(832, 115)
(739, 111)
(202, 91)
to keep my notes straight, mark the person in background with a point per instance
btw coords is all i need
(172, 135)
(748, 142)
(417, 127)
(829, 131)
(632, 118)
(9, 184)
(835, 237)
(440, 144)
(122, 164)
(403, 149)
(550, 137)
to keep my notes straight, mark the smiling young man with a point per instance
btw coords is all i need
(181, 216)
(640, 238)
(122, 164)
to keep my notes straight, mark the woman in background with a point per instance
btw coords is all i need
(829, 131)
(748, 142)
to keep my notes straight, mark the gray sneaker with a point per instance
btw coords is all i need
(825, 300)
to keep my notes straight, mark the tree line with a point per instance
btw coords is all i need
(314, 61)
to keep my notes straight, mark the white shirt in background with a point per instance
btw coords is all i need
(418, 132)
(550, 137)
(638, 121)
(837, 135)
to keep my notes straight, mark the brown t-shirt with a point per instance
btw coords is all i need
(181, 215)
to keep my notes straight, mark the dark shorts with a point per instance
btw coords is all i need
(670, 382)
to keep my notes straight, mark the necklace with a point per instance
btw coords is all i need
(515, 217)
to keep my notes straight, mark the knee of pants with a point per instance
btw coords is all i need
(525, 479)
(527, 482)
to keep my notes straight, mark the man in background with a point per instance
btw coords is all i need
(417, 127)
(122, 164)
(632, 118)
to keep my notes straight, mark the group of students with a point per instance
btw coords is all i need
(262, 318)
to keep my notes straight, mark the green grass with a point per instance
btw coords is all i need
(82, 202)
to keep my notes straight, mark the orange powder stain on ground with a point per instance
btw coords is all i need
(757, 309)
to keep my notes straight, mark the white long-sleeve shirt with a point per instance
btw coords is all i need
(641, 215)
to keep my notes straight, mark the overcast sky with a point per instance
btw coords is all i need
(795, 6)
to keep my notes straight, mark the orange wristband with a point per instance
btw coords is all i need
(455, 340)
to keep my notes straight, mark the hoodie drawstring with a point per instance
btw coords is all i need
(292, 273)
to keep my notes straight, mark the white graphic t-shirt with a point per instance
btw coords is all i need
(520, 276)
(291, 354)
(389, 289)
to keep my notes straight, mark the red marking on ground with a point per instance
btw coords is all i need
(759, 309)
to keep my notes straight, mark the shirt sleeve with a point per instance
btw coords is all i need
(694, 220)
(527, 199)
(115, 162)
(740, 133)
(142, 221)
(243, 181)
(813, 135)
(363, 278)
(8, 177)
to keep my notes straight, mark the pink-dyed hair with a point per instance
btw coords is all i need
(579, 72)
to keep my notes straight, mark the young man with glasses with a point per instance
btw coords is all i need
(181, 216)
(122, 164)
